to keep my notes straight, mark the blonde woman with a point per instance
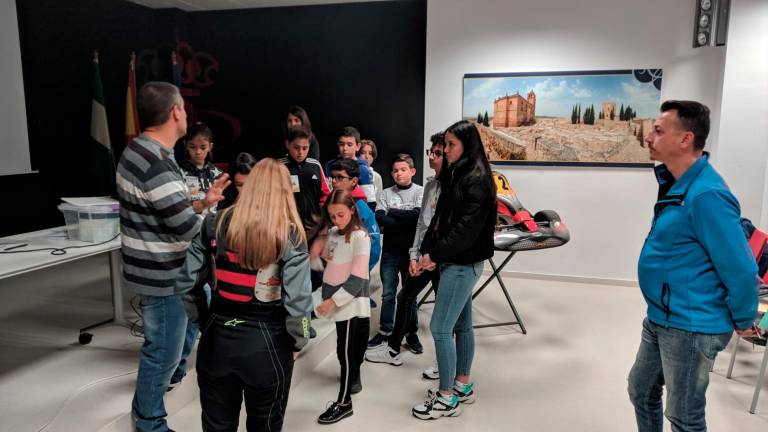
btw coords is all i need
(261, 304)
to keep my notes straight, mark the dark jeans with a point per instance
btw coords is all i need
(392, 266)
(351, 343)
(679, 360)
(406, 317)
(168, 339)
(240, 358)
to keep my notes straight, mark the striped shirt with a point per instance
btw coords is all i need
(157, 221)
(345, 279)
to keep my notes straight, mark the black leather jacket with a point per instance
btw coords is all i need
(461, 232)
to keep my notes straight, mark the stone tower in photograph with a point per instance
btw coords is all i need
(608, 109)
(512, 111)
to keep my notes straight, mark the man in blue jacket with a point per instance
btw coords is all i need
(696, 272)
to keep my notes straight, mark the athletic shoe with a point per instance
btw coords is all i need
(384, 354)
(335, 413)
(172, 386)
(356, 386)
(414, 344)
(431, 373)
(437, 406)
(465, 396)
(377, 341)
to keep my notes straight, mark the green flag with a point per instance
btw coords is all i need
(99, 159)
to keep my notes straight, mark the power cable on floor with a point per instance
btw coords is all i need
(54, 250)
(77, 393)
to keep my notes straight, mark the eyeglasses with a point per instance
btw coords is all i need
(341, 178)
(435, 153)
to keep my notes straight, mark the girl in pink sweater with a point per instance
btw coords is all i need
(346, 296)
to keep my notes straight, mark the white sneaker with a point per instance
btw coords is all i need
(465, 396)
(384, 355)
(437, 406)
(431, 373)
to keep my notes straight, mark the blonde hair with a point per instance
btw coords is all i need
(264, 218)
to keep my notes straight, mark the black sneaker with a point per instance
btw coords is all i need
(335, 412)
(377, 341)
(414, 344)
(172, 386)
(312, 333)
(356, 386)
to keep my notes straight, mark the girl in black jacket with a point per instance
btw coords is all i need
(459, 239)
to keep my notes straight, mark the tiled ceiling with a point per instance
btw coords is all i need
(209, 5)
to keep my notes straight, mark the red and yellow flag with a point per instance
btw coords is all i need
(132, 129)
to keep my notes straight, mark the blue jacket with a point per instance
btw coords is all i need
(696, 269)
(369, 220)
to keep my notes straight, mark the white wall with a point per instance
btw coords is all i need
(744, 120)
(608, 210)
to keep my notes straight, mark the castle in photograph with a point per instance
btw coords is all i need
(512, 111)
(609, 110)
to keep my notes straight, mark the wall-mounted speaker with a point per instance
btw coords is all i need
(711, 26)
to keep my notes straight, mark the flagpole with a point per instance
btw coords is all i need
(112, 164)
(132, 127)
(178, 151)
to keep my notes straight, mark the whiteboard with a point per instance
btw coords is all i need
(14, 138)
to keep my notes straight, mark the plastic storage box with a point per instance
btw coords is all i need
(97, 223)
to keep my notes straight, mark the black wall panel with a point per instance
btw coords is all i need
(359, 64)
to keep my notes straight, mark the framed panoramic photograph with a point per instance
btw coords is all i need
(582, 118)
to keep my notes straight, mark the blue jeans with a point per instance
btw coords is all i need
(679, 360)
(453, 314)
(392, 265)
(168, 339)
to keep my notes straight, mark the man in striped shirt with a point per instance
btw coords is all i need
(157, 223)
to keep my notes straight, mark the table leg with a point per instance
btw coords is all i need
(118, 314)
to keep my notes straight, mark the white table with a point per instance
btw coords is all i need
(17, 263)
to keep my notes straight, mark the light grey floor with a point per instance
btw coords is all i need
(568, 373)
